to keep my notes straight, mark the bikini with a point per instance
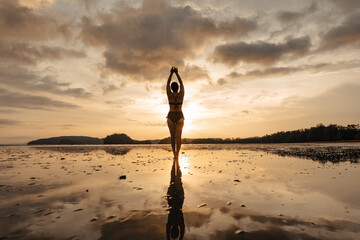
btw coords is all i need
(177, 115)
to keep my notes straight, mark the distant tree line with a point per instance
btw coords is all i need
(319, 133)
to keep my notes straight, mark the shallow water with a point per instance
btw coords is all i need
(74, 192)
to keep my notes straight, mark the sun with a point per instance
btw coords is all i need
(192, 112)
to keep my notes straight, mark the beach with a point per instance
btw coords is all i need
(231, 191)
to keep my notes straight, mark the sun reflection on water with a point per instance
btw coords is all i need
(184, 164)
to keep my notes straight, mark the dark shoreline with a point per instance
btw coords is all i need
(136, 144)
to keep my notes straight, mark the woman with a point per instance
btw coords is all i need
(175, 118)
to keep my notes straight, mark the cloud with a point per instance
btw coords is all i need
(338, 104)
(21, 78)
(8, 122)
(288, 70)
(335, 105)
(24, 53)
(36, 3)
(21, 22)
(193, 73)
(260, 52)
(143, 42)
(279, 71)
(346, 34)
(290, 16)
(221, 81)
(19, 100)
(347, 5)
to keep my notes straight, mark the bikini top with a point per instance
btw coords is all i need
(175, 103)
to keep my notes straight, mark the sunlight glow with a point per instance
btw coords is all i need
(192, 112)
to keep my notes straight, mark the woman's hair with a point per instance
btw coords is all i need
(174, 86)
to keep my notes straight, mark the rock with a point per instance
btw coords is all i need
(94, 219)
(228, 203)
(243, 205)
(112, 216)
(237, 180)
(78, 210)
(87, 190)
(122, 177)
(202, 205)
(62, 158)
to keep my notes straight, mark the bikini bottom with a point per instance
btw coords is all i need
(175, 116)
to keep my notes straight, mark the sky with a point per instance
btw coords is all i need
(249, 67)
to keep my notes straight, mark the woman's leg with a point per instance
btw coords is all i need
(178, 132)
(172, 127)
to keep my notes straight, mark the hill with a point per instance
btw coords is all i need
(122, 138)
(66, 140)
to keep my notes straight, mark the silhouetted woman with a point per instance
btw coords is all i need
(175, 226)
(175, 117)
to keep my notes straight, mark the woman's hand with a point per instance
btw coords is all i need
(173, 70)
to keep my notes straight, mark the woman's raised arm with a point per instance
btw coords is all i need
(182, 90)
(168, 91)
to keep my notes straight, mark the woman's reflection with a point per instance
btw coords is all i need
(175, 198)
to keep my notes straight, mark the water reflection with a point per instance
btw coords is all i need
(117, 150)
(43, 190)
(175, 225)
(113, 150)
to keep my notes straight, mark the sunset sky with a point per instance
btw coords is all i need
(250, 67)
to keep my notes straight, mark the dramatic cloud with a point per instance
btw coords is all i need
(20, 78)
(19, 100)
(344, 35)
(21, 22)
(24, 53)
(238, 59)
(260, 52)
(146, 41)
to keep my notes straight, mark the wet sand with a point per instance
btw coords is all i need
(278, 191)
